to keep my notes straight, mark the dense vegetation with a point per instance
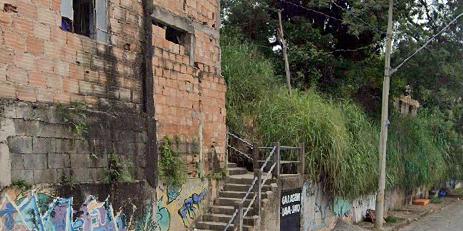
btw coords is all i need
(341, 139)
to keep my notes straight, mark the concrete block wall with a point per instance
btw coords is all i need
(43, 148)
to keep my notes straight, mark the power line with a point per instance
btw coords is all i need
(331, 17)
(426, 43)
(359, 18)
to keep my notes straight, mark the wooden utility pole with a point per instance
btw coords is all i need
(384, 124)
(281, 36)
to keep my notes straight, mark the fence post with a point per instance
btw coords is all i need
(239, 217)
(255, 157)
(302, 163)
(277, 160)
(258, 190)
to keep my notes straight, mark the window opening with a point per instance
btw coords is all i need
(85, 17)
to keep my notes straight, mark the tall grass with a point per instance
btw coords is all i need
(341, 141)
(249, 77)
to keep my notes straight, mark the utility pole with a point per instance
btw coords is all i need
(281, 36)
(384, 124)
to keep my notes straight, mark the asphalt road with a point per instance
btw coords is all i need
(448, 219)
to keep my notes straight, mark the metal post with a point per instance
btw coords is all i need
(258, 190)
(255, 157)
(277, 160)
(239, 217)
(302, 163)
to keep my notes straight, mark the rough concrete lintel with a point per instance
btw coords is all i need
(181, 23)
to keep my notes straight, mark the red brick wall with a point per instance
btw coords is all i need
(41, 63)
(202, 11)
(187, 96)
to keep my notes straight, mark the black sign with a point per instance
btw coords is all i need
(290, 210)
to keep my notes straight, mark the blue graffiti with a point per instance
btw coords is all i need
(190, 205)
(172, 193)
(25, 214)
(8, 214)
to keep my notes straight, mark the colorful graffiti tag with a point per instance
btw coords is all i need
(159, 222)
(34, 212)
(342, 207)
(190, 205)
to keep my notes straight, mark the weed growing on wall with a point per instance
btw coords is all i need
(118, 170)
(21, 185)
(171, 166)
(76, 116)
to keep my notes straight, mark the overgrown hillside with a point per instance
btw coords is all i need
(341, 140)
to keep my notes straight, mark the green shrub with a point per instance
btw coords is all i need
(171, 166)
(118, 170)
(415, 156)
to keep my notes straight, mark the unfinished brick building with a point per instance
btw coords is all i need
(86, 83)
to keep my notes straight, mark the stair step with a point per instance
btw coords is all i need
(237, 171)
(243, 187)
(226, 218)
(245, 179)
(237, 194)
(232, 201)
(232, 165)
(219, 226)
(229, 210)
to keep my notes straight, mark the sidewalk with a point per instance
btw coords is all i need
(405, 216)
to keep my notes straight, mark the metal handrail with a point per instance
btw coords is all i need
(250, 205)
(240, 139)
(269, 174)
(261, 186)
(250, 190)
(289, 147)
(268, 158)
(231, 220)
(240, 152)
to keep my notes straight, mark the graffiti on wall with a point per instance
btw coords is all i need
(188, 211)
(42, 212)
(342, 207)
(155, 222)
(178, 207)
(316, 207)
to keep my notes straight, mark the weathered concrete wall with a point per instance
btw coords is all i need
(270, 219)
(321, 211)
(44, 148)
(180, 207)
(317, 208)
(77, 207)
(128, 206)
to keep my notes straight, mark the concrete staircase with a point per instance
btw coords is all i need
(235, 188)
